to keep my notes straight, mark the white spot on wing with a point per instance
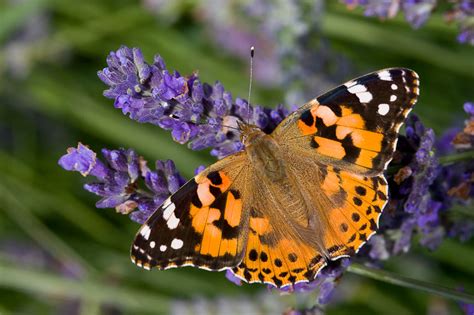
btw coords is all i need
(364, 97)
(394, 86)
(169, 210)
(168, 214)
(145, 232)
(176, 243)
(172, 222)
(383, 109)
(393, 98)
(152, 244)
(385, 75)
(361, 92)
(163, 248)
(357, 89)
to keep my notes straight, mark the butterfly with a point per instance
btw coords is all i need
(310, 192)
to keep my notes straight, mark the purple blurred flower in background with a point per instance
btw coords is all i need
(291, 49)
(32, 257)
(417, 13)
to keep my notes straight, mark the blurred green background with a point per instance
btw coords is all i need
(60, 255)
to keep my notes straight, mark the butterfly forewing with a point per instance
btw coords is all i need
(355, 126)
(202, 224)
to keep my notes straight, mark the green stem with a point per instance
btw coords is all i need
(395, 279)
(457, 157)
(39, 232)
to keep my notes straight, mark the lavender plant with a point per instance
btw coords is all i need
(417, 13)
(424, 186)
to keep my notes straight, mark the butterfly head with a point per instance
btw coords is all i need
(249, 134)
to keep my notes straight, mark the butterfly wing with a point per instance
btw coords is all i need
(203, 224)
(351, 209)
(316, 214)
(282, 247)
(354, 126)
(335, 150)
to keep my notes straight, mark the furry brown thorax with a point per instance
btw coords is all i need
(263, 152)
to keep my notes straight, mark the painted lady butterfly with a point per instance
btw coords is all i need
(311, 191)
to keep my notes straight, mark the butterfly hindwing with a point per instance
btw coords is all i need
(354, 126)
(357, 202)
(202, 224)
(276, 258)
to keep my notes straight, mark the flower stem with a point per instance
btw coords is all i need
(456, 157)
(395, 279)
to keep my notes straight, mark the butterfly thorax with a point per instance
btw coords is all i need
(263, 152)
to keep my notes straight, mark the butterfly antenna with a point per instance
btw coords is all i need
(252, 53)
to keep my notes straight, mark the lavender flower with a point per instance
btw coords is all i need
(467, 308)
(120, 178)
(417, 13)
(19, 49)
(464, 13)
(465, 140)
(325, 281)
(261, 303)
(198, 114)
(422, 192)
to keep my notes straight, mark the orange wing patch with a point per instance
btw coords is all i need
(219, 208)
(360, 201)
(279, 262)
(341, 137)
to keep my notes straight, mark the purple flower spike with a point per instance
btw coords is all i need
(417, 13)
(197, 114)
(124, 181)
